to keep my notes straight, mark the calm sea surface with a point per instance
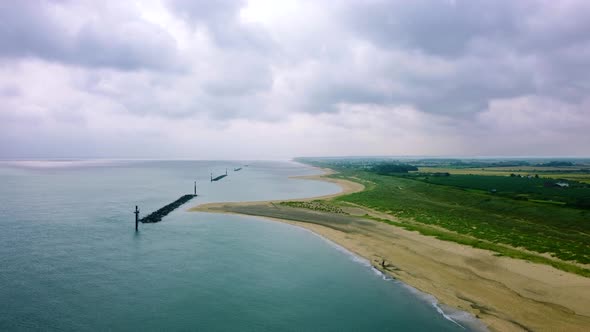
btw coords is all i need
(70, 259)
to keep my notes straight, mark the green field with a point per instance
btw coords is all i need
(559, 231)
(522, 188)
(580, 174)
(484, 207)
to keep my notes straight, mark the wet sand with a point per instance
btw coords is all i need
(504, 293)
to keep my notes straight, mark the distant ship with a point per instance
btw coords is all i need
(237, 169)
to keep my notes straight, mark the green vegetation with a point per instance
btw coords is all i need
(315, 205)
(522, 218)
(562, 232)
(391, 168)
(522, 188)
(565, 173)
(501, 250)
(557, 164)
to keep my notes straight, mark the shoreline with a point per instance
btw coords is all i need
(467, 320)
(503, 293)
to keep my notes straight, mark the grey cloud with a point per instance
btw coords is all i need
(205, 10)
(447, 61)
(441, 27)
(452, 28)
(221, 20)
(133, 46)
(10, 91)
(535, 46)
(26, 30)
(31, 29)
(239, 75)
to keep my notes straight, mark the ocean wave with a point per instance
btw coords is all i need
(463, 319)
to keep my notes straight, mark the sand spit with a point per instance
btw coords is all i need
(506, 294)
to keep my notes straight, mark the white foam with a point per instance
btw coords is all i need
(460, 318)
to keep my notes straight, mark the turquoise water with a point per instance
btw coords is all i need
(70, 260)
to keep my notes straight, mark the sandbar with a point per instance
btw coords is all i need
(506, 294)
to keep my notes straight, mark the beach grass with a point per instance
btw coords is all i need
(501, 250)
(560, 232)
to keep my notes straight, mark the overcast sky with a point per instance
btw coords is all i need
(268, 79)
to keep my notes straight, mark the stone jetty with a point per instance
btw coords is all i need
(157, 215)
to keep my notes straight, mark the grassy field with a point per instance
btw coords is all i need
(581, 174)
(522, 188)
(559, 231)
(316, 205)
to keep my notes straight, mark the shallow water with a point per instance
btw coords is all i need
(70, 260)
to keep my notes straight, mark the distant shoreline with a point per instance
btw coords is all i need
(504, 293)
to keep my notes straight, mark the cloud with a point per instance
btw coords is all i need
(495, 49)
(526, 124)
(221, 19)
(439, 27)
(85, 34)
(298, 77)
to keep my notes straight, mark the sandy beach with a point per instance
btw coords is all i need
(505, 294)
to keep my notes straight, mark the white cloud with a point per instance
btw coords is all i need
(192, 78)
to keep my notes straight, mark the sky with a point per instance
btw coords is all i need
(267, 79)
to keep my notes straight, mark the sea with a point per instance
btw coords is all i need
(71, 260)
